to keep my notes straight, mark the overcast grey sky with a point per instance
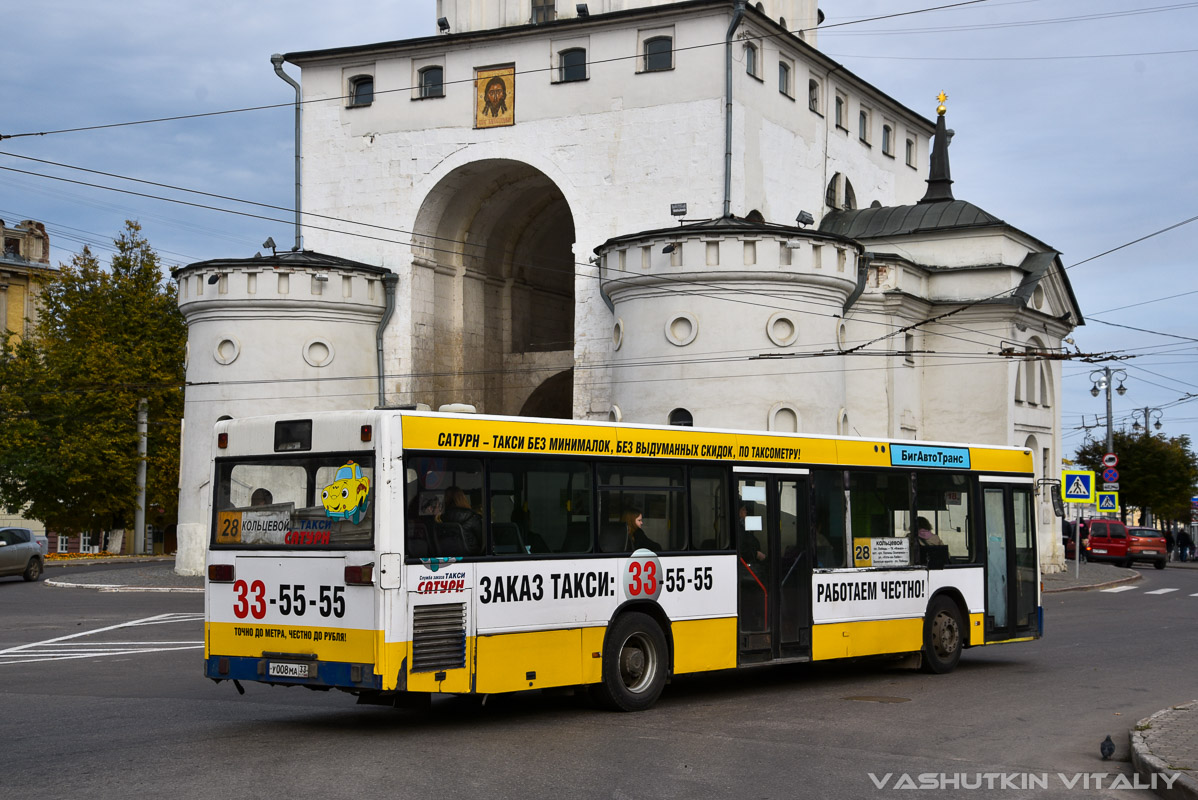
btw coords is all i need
(1074, 121)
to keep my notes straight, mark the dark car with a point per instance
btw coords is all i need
(22, 553)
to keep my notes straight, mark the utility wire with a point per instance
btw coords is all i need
(721, 43)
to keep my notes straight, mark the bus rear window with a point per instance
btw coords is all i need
(303, 502)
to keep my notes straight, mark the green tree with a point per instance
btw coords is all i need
(1156, 473)
(104, 339)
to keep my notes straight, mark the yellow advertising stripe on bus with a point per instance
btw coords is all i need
(868, 638)
(513, 436)
(862, 454)
(704, 644)
(327, 644)
(983, 459)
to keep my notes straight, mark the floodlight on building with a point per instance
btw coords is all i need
(213, 278)
(678, 209)
(669, 248)
(320, 276)
(582, 10)
(443, 24)
(270, 242)
(804, 219)
(794, 244)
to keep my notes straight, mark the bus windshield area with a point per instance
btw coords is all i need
(299, 502)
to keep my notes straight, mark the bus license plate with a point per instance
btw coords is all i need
(283, 670)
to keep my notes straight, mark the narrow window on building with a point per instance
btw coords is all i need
(543, 11)
(863, 126)
(361, 90)
(887, 140)
(751, 59)
(659, 54)
(572, 65)
(850, 197)
(840, 112)
(813, 95)
(830, 192)
(432, 82)
(910, 153)
(784, 79)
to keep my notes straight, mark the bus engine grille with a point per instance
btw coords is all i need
(438, 637)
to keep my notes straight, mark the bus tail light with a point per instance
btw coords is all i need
(222, 440)
(367, 432)
(220, 573)
(361, 575)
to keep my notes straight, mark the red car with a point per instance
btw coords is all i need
(1111, 540)
(1147, 544)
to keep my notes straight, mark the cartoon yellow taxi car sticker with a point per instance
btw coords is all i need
(348, 496)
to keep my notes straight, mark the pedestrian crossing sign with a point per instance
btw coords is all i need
(1108, 501)
(1077, 486)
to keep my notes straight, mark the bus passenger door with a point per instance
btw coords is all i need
(1012, 582)
(774, 565)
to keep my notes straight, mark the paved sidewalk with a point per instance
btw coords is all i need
(1166, 742)
(153, 574)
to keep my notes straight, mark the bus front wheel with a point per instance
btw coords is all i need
(942, 636)
(634, 664)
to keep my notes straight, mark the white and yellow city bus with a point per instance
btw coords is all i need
(396, 554)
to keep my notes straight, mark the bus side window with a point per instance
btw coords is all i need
(828, 518)
(540, 506)
(709, 503)
(942, 500)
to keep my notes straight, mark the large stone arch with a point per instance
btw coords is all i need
(492, 286)
(553, 398)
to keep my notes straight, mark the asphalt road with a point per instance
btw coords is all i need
(121, 709)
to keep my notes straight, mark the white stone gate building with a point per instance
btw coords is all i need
(821, 279)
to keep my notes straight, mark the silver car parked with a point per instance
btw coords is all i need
(22, 552)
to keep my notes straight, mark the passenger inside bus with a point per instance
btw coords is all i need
(261, 497)
(750, 547)
(458, 513)
(636, 538)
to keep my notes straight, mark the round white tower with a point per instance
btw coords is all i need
(296, 331)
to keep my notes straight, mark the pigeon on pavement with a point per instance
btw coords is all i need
(1107, 748)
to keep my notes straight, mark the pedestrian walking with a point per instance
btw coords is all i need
(1185, 545)
(1170, 541)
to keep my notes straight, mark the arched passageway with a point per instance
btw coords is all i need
(493, 289)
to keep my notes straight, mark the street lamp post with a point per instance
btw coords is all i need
(1151, 416)
(1103, 382)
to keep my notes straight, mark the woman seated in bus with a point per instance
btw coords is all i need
(458, 512)
(635, 536)
(923, 530)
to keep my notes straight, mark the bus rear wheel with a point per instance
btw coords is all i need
(942, 636)
(634, 664)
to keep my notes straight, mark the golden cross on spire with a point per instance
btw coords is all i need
(940, 98)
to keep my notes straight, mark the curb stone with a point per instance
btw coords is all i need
(119, 587)
(1089, 586)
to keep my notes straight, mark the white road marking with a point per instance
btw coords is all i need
(56, 649)
(1118, 589)
(1161, 591)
